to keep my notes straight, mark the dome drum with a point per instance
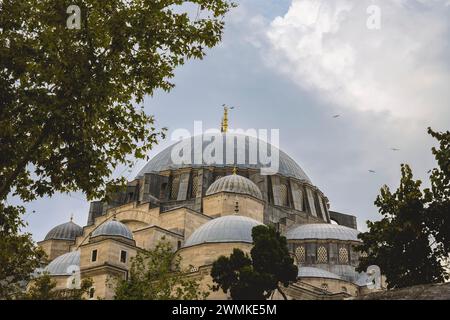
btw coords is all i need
(289, 190)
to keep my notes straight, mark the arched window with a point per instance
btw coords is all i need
(322, 256)
(324, 286)
(174, 189)
(343, 255)
(194, 186)
(284, 195)
(344, 289)
(91, 293)
(300, 253)
(300, 200)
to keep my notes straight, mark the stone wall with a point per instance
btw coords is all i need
(224, 203)
(421, 292)
(206, 254)
(55, 248)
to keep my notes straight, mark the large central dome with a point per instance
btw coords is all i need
(242, 146)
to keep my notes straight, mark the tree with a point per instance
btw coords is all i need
(411, 243)
(157, 275)
(68, 96)
(256, 278)
(19, 255)
(400, 242)
(438, 217)
(44, 288)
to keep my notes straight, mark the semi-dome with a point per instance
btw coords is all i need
(310, 272)
(64, 264)
(65, 231)
(163, 160)
(232, 228)
(113, 228)
(322, 231)
(236, 184)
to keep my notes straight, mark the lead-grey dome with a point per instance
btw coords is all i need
(65, 231)
(230, 228)
(322, 231)
(64, 264)
(113, 228)
(310, 272)
(163, 160)
(236, 184)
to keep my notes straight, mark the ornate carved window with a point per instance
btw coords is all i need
(343, 255)
(322, 256)
(344, 289)
(300, 253)
(174, 188)
(324, 286)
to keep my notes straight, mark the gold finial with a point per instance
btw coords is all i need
(235, 170)
(224, 127)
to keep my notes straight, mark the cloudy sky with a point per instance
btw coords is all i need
(294, 64)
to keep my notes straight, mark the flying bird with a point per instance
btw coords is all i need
(336, 116)
(372, 171)
(395, 149)
(429, 171)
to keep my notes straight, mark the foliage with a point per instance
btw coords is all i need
(257, 277)
(438, 217)
(19, 256)
(157, 275)
(67, 112)
(411, 242)
(43, 288)
(68, 97)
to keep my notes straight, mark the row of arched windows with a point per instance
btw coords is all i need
(301, 201)
(322, 255)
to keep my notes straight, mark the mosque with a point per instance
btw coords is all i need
(205, 210)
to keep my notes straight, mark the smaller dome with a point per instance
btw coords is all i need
(322, 231)
(310, 272)
(113, 228)
(224, 229)
(65, 231)
(64, 264)
(236, 184)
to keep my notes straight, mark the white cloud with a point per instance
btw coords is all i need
(402, 68)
